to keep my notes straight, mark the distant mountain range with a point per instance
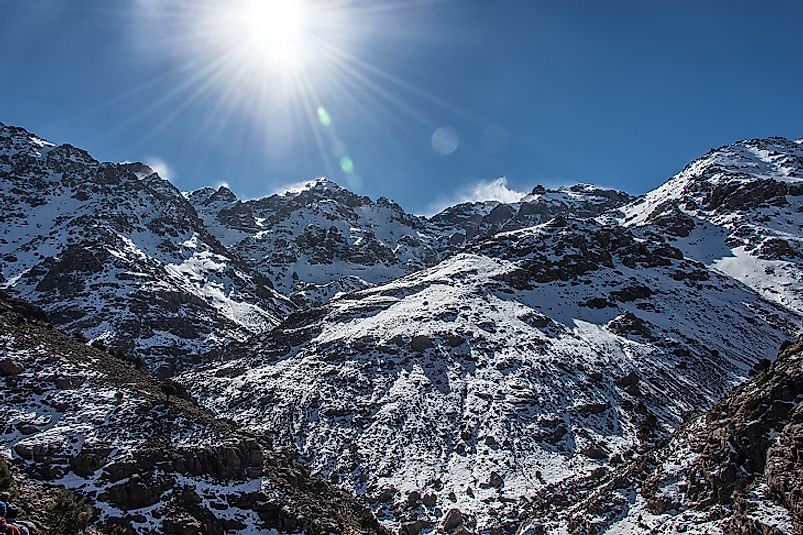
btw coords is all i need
(447, 370)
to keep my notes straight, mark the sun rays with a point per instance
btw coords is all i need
(269, 66)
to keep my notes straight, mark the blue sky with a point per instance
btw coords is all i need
(618, 93)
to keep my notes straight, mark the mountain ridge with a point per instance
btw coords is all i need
(446, 370)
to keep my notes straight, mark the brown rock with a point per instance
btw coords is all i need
(10, 367)
(452, 519)
(421, 342)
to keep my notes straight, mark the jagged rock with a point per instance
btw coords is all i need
(69, 383)
(414, 498)
(587, 409)
(136, 493)
(495, 480)
(386, 494)
(88, 461)
(630, 324)
(531, 528)
(630, 383)
(41, 451)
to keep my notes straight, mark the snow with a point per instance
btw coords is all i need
(354, 388)
(431, 352)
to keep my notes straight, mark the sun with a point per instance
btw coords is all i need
(272, 34)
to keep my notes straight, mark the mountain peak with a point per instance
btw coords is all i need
(223, 193)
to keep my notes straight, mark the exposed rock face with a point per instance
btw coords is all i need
(10, 368)
(735, 469)
(149, 465)
(115, 252)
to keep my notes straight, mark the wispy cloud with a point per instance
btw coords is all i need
(295, 187)
(161, 167)
(484, 190)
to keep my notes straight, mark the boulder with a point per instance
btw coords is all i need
(415, 527)
(453, 519)
(414, 498)
(495, 480)
(10, 367)
(420, 342)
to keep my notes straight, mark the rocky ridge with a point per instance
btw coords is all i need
(81, 419)
(320, 240)
(738, 209)
(115, 252)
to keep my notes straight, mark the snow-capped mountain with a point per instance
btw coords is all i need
(469, 221)
(115, 252)
(321, 239)
(450, 370)
(738, 209)
(536, 354)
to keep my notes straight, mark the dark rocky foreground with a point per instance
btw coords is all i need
(81, 418)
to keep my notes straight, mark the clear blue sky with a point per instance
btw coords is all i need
(619, 93)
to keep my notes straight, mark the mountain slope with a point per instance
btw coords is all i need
(734, 469)
(79, 418)
(321, 239)
(738, 209)
(471, 221)
(115, 252)
(538, 353)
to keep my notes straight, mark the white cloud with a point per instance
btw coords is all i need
(295, 187)
(484, 190)
(161, 167)
(291, 187)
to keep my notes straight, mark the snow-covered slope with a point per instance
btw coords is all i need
(471, 221)
(536, 354)
(77, 417)
(319, 240)
(735, 469)
(453, 370)
(738, 209)
(115, 252)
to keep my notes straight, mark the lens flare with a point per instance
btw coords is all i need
(445, 141)
(346, 164)
(284, 70)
